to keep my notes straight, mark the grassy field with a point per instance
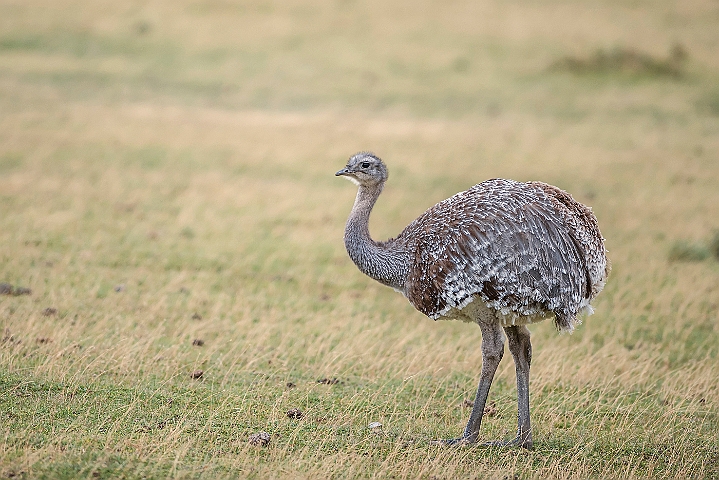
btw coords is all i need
(167, 193)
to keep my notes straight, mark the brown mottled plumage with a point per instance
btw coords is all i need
(518, 246)
(503, 254)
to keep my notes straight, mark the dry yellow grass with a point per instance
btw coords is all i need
(169, 159)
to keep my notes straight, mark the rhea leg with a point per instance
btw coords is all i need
(492, 351)
(521, 347)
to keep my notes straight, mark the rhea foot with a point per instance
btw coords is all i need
(466, 441)
(454, 442)
(515, 442)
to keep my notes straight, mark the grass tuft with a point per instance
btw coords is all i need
(684, 251)
(709, 103)
(10, 161)
(625, 61)
(714, 244)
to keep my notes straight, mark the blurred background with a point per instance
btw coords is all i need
(420, 58)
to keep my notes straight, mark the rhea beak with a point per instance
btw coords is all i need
(348, 174)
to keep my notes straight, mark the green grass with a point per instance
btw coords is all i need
(166, 175)
(687, 252)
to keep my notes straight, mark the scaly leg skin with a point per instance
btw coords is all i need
(492, 351)
(521, 347)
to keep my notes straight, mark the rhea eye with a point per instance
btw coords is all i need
(365, 165)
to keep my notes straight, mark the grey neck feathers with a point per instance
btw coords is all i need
(386, 262)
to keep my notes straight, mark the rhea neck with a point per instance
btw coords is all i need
(385, 262)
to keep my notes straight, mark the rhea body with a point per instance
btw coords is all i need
(502, 254)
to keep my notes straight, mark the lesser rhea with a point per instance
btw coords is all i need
(503, 254)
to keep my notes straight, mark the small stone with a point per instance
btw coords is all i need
(198, 342)
(290, 385)
(197, 374)
(490, 410)
(375, 426)
(5, 289)
(49, 311)
(196, 316)
(467, 403)
(259, 439)
(294, 413)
